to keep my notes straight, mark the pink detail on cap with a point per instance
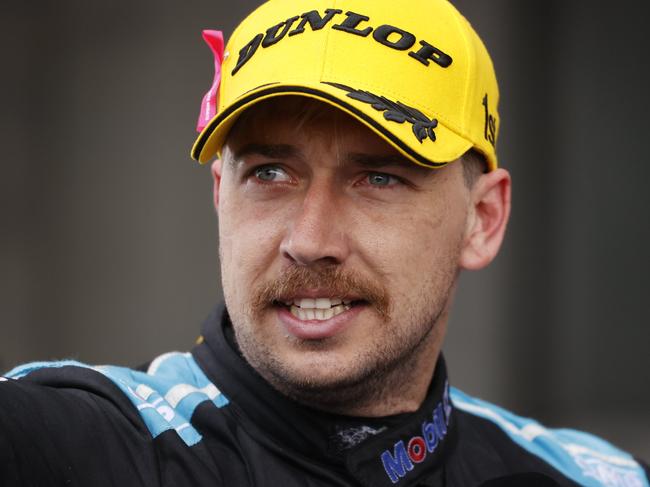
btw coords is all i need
(214, 39)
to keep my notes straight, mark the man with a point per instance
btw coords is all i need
(356, 176)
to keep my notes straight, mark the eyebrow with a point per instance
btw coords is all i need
(280, 151)
(372, 161)
(285, 151)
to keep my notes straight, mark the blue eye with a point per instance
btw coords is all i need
(270, 174)
(380, 179)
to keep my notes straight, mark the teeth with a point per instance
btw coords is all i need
(323, 303)
(318, 309)
(318, 303)
(307, 303)
(318, 314)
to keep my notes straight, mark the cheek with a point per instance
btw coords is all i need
(398, 232)
(413, 246)
(249, 239)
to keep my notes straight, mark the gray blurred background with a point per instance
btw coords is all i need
(108, 238)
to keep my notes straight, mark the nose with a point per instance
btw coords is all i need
(317, 233)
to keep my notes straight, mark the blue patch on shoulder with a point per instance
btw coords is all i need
(165, 396)
(586, 459)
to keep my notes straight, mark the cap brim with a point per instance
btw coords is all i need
(426, 141)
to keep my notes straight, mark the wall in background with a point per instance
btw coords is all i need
(108, 240)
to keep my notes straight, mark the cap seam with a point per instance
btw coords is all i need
(231, 42)
(326, 62)
(471, 60)
(240, 26)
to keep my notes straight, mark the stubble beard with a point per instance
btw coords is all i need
(378, 372)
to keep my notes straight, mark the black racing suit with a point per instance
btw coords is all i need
(206, 418)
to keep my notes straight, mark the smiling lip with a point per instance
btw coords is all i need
(317, 329)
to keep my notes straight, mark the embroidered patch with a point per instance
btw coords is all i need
(490, 131)
(346, 438)
(395, 111)
(407, 455)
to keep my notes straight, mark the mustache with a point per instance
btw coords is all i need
(332, 280)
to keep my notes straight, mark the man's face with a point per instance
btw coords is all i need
(338, 255)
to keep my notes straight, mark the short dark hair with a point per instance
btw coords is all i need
(474, 165)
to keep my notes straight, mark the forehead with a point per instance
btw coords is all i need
(303, 121)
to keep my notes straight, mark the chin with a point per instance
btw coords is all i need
(317, 368)
(311, 370)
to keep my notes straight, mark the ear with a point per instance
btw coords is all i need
(216, 176)
(487, 219)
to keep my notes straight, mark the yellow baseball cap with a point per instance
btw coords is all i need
(414, 72)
